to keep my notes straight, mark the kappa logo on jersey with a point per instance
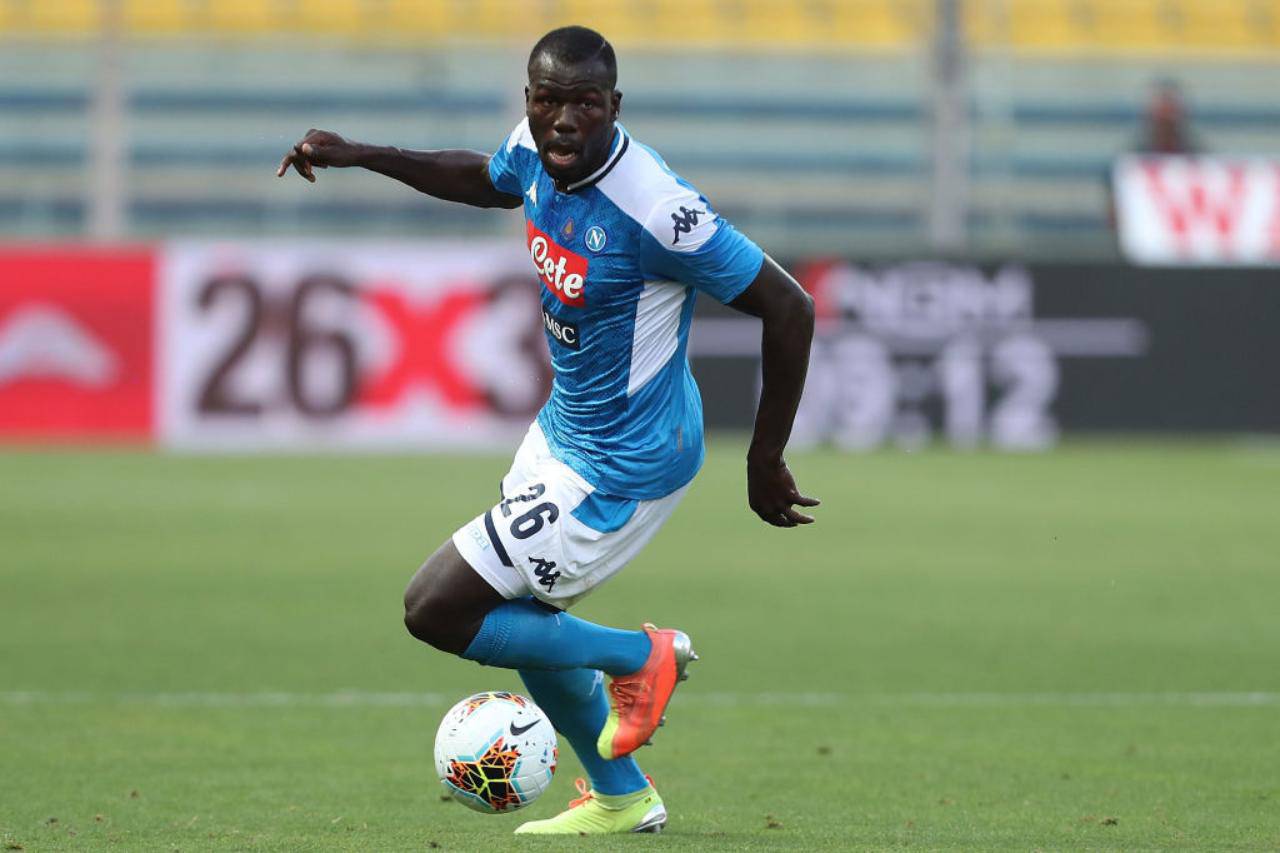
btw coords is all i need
(685, 221)
(565, 333)
(563, 272)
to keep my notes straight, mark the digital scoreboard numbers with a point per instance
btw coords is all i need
(864, 393)
(917, 353)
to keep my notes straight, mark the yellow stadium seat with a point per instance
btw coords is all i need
(1031, 26)
(329, 17)
(1128, 26)
(64, 17)
(886, 24)
(620, 22)
(428, 19)
(239, 17)
(156, 17)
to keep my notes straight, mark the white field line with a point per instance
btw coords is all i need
(373, 699)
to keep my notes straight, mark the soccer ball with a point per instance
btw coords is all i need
(496, 752)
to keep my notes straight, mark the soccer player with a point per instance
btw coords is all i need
(621, 245)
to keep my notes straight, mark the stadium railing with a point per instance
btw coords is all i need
(823, 152)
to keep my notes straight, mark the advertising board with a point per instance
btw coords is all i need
(312, 346)
(1198, 210)
(76, 329)
(1012, 356)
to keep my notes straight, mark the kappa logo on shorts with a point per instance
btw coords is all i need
(542, 568)
(563, 272)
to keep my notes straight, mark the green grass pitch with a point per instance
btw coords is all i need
(1068, 651)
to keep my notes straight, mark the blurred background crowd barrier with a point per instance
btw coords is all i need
(1021, 217)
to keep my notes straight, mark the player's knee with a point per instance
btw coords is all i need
(427, 619)
(426, 610)
(430, 613)
(446, 602)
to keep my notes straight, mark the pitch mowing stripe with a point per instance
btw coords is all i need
(372, 699)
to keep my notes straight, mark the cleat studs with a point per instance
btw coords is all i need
(684, 676)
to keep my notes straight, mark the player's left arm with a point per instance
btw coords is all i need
(688, 242)
(787, 314)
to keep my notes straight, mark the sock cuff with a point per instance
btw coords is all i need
(491, 640)
(616, 802)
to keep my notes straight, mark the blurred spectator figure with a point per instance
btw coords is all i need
(1165, 129)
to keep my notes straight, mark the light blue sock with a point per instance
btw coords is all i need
(521, 634)
(575, 701)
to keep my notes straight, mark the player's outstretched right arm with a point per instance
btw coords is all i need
(453, 175)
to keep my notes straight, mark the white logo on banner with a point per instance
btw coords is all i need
(42, 342)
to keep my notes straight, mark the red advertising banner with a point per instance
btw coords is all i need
(76, 332)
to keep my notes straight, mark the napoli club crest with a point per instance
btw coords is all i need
(595, 238)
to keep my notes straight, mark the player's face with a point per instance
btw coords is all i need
(571, 111)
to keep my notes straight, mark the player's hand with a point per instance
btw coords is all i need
(772, 494)
(319, 149)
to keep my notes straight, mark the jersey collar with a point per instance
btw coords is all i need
(619, 148)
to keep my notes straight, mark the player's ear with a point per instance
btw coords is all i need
(526, 96)
(617, 103)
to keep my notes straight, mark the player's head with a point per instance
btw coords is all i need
(571, 101)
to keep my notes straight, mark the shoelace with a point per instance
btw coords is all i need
(584, 789)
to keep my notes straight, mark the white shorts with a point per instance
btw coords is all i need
(554, 536)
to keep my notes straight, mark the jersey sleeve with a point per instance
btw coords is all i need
(504, 171)
(686, 241)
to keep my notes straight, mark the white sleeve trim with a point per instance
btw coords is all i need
(522, 137)
(644, 190)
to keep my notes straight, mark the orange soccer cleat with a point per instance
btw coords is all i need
(637, 701)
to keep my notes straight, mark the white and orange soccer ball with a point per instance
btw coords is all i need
(496, 752)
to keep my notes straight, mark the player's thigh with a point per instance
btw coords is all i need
(605, 533)
(462, 581)
(555, 538)
(559, 539)
(458, 570)
(447, 600)
(447, 580)
(517, 546)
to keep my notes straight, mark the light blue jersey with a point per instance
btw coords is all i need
(621, 256)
